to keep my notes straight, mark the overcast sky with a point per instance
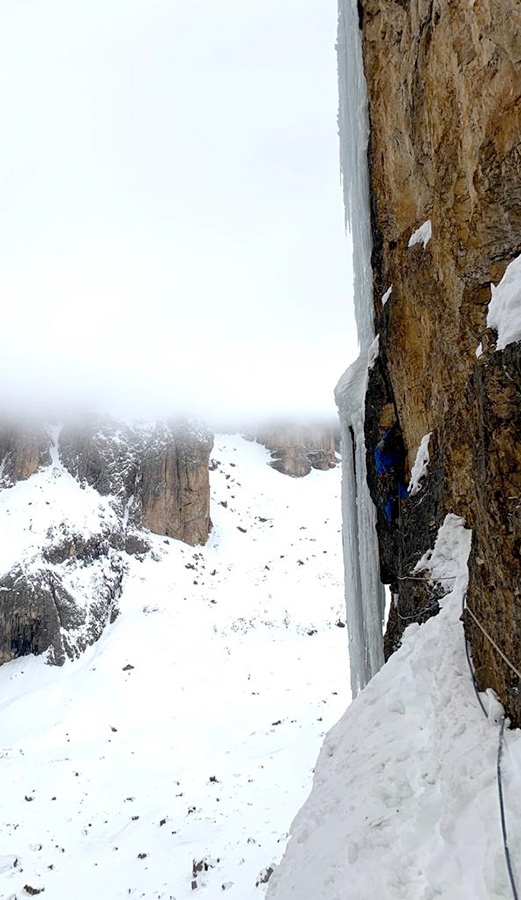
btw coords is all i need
(172, 226)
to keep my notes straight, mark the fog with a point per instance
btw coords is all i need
(172, 235)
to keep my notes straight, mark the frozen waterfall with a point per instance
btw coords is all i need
(364, 591)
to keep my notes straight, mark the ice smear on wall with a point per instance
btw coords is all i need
(364, 592)
(504, 310)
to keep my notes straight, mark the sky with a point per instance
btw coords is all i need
(172, 236)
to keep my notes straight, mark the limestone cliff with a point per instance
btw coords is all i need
(93, 492)
(297, 448)
(444, 95)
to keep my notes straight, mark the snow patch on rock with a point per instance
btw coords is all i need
(422, 235)
(504, 309)
(421, 463)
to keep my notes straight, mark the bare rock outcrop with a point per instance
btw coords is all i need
(59, 609)
(296, 448)
(444, 88)
(23, 450)
(172, 485)
(158, 474)
(97, 491)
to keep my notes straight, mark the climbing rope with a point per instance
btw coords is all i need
(492, 641)
(502, 812)
(416, 615)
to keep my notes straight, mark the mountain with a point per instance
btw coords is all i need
(77, 502)
(166, 760)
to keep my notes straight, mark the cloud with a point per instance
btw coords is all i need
(172, 226)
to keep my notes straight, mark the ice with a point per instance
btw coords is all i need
(419, 469)
(373, 352)
(364, 592)
(422, 235)
(504, 309)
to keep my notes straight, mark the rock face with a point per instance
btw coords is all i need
(95, 491)
(444, 88)
(23, 450)
(296, 449)
(158, 475)
(173, 483)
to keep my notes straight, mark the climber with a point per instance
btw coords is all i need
(389, 455)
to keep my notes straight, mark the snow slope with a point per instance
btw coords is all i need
(188, 733)
(404, 803)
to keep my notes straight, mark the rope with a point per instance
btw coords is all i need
(416, 615)
(492, 641)
(502, 811)
(426, 580)
(471, 667)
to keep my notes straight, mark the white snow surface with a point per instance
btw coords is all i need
(404, 803)
(188, 733)
(421, 464)
(422, 235)
(386, 296)
(504, 309)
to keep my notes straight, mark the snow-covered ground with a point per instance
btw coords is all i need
(188, 733)
(405, 800)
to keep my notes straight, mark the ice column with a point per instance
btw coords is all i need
(364, 591)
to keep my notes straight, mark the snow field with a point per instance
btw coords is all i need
(404, 803)
(188, 733)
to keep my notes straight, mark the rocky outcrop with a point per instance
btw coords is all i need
(296, 449)
(158, 475)
(101, 489)
(23, 450)
(172, 485)
(444, 87)
(44, 609)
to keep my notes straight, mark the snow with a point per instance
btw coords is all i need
(421, 463)
(504, 309)
(189, 731)
(422, 235)
(364, 593)
(387, 295)
(479, 351)
(404, 801)
(47, 503)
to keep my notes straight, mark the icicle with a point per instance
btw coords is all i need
(364, 591)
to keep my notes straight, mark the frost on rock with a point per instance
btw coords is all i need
(422, 235)
(364, 591)
(421, 463)
(504, 309)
